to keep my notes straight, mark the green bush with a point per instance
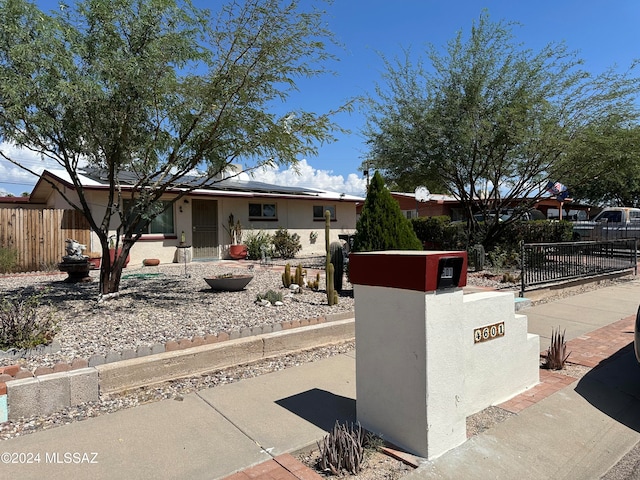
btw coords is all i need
(431, 230)
(258, 242)
(538, 231)
(8, 260)
(381, 225)
(501, 258)
(25, 322)
(286, 245)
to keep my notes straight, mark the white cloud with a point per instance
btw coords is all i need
(16, 180)
(304, 175)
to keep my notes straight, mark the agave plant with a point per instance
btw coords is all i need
(557, 352)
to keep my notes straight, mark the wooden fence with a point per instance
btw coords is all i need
(38, 236)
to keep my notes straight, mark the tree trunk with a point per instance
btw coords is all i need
(111, 274)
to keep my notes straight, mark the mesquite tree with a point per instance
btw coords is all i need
(161, 90)
(488, 120)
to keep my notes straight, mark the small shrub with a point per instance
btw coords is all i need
(501, 258)
(8, 260)
(286, 245)
(509, 277)
(258, 243)
(557, 352)
(271, 295)
(25, 322)
(431, 230)
(342, 450)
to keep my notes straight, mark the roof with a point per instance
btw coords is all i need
(436, 197)
(15, 200)
(95, 179)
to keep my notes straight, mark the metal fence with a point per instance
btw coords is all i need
(547, 263)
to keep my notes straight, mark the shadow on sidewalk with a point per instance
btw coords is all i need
(613, 387)
(321, 408)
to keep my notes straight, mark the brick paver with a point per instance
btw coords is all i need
(587, 350)
(282, 467)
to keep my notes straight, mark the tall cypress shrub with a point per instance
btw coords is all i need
(381, 225)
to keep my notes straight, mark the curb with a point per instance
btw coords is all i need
(45, 394)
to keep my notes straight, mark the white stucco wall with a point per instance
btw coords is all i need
(419, 372)
(498, 369)
(408, 381)
(296, 215)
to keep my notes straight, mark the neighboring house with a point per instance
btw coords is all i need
(200, 218)
(18, 202)
(436, 206)
(439, 204)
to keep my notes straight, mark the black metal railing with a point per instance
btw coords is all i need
(546, 263)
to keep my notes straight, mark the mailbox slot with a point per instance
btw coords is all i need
(449, 270)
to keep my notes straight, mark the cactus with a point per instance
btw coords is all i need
(314, 284)
(477, 257)
(337, 259)
(332, 295)
(299, 276)
(286, 276)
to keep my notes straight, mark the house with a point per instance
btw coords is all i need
(437, 205)
(200, 218)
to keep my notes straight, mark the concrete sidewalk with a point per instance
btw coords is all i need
(578, 432)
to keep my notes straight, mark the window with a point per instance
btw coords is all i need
(161, 223)
(318, 211)
(634, 216)
(263, 211)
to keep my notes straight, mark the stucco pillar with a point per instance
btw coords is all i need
(409, 353)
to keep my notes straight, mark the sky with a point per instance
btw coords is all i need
(604, 33)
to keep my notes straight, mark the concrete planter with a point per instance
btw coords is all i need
(230, 284)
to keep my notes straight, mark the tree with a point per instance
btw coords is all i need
(489, 120)
(160, 90)
(603, 165)
(381, 225)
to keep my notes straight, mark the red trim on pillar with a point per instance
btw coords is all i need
(408, 270)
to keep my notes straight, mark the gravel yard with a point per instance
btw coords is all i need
(171, 305)
(161, 304)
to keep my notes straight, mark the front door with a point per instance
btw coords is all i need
(204, 218)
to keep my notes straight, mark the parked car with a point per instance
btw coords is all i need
(505, 215)
(610, 223)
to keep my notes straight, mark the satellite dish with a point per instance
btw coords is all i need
(422, 194)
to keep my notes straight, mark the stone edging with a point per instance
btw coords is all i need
(46, 393)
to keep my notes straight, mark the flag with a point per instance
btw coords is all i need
(557, 189)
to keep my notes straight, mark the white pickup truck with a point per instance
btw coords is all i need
(610, 223)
